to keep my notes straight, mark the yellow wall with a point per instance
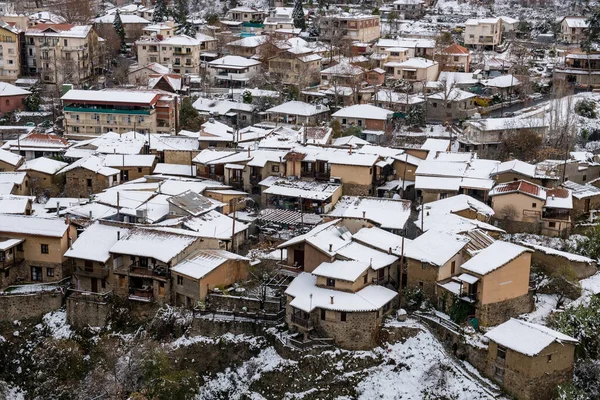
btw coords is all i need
(522, 204)
(507, 282)
(353, 174)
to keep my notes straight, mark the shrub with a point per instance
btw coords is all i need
(586, 108)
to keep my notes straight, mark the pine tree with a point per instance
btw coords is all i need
(119, 29)
(160, 11)
(298, 15)
(180, 14)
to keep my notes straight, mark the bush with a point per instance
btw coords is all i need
(481, 102)
(582, 323)
(586, 108)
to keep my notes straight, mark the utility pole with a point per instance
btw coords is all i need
(118, 204)
(233, 203)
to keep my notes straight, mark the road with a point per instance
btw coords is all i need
(516, 107)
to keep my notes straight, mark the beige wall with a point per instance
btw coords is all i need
(492, 34)
(353, 174)
(523, 204)
(10, 69)
(507, 282)
(87, 123)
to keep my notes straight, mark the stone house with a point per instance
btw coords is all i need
(521, 206)
(312, 196)
(361, 212)
(489, 132)
(515, 170)
(193, 278)
(9, 161)
(550, 260)
(16, 183)
(143, 258)
(91, 257)
(529, 360)
(38, 248)
(88, 176)
(585, 198)
(359, 173)
(44, 176)
(132, 166)
(494, 283)
(16, 205)
(339, 300)
(573, 29)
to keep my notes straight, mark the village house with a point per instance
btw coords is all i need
(89, 175)
(44, 176)
(132, 24)
(296, 69)
(91, 257)
(279, 18)
(293, 193)
(338, 300)
(193, 278)
(10, 53)
(132, 166)
(16, 183)
(529, 360)
(416, 47)
(454, 58)
(143, 259)
(9, 162)
(93, 112)
(515, 170)
(34, 249)
(375, 122)
(462, 205)
(573, 30)
(551, 261)
(166, 29)
(416, 70)
(363, 28)
(580, 69)
(494, 283)
(343, 74)
(486, 32)
(17, 205)
(12, 98)
(450, 104)
(363, 212)
(410, 9)
(251, 46)
(398, 102)
(298, 113)
(585, 198)
(61, 53)
(245, 14)
(233, 71)
(521, 206)
(487, 133)
(36, 145)
(139, 75)
(174, 149)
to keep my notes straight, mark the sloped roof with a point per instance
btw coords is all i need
(493, 257)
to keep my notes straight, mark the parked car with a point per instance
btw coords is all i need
(535, 96)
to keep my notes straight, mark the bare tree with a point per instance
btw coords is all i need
(75, 11)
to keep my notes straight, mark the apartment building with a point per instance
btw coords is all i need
(93, 112)
(233, 71)
(364, 28)
(410, 9)
(61, 53)
(486, 32)
(181, 53)
(10, 53)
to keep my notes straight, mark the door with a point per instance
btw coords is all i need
(380, 275)
(587, 205)
(95, 285)
(299, 258)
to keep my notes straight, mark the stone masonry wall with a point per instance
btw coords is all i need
(222, 302)
(350, 189)
(82, 313)
(25, 306)
(497, 313)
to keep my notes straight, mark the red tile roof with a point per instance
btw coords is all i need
(521, 187)
(456, 49)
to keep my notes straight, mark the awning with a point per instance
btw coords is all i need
(470, 279)
(409, 69)
(234, 166)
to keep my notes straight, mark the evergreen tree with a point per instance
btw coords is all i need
(298, 15)
(119, 29)
(180, 14)
(247, 97)
(160, 11)
(189, 118)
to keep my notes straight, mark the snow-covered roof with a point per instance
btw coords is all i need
(14, 204)
(434, 145)
(129, 160)
(312, 190)
(298, 108)
(125, 19)
(503, 81)
(349, 141)
(9, 157)
(381, 239)
(194, 203)
(454, 224)
(554, 252)
(417, 63)
(343, 270)
(435, 248)
(576, 22)
(59, 30)
(526, 337)
(43, 165)
(454, 94)
(234, 62)
(343, 68)
(96, 241)
(406, 43)
(16, 178)
(64, 202)
(111, 96)
(307, 296)
(92, 163)
(175, 169)
(27, 225)
(493, 257)
(387, 213)
(374, 258)
(365, 111)
(161, 244)
(213, 224)
(517, 166)
(203, 262)
(310, 234)
(580, 191)
(6, 89)
(458, 203)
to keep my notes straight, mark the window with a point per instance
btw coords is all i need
(275, 168)
(88, 266)
(551, 224)
(549, 357)
(330, 282)
(179, 280)
(139, 170)
(365, 278)
(420, 284)
(20, 247)
(50, 272)
(423, 266)
(65, 42)
(584, 178)
(144, 262)
(343, 316)
(36, 274)
(533, 205)
(44, 248)
(501, 352)
(89, 182)
(323, 314)
(344, 122)
(453, 268)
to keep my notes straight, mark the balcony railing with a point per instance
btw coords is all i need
(106, 110)
(135, 269)
(141, 294)
(302, 322)
(92, 273)
(323, 176)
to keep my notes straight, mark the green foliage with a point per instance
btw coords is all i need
(298, 15)
(189, 118)
(33, 101)
(291, 93)
(496, 98)
(459, 310)
(586, 108)
(583, 323)
(589, 246)
(119, 29)
(415, 299)
(415, 116)
(164, 381)
(160, 11)
(212, 19)
(354, 131)
(376, 11)
(336, 127)
(247, 97)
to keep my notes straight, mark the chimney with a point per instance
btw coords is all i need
(70, 243)
(331, 297)
(57, 208)
(390, 250)
(248, 151)
(330, 247)
(364, 214)
(119, 236)
(350, 152)
(90, 214)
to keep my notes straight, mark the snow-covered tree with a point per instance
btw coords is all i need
(160, 11)
(416, 116)
(119, 29)
(298, 15)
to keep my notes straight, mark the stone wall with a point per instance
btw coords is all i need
(82, 313)
(25, 306)
(358, 332)
(551, 263)
(207, 326)
(350, 189)
(234, 303)
(496, 313)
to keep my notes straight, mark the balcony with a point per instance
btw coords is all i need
(135, 270)
(106, 110)
(143, 294)
(92, 273)
(307, 174)
(4, 264)
(302, 322)
(469, 297)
